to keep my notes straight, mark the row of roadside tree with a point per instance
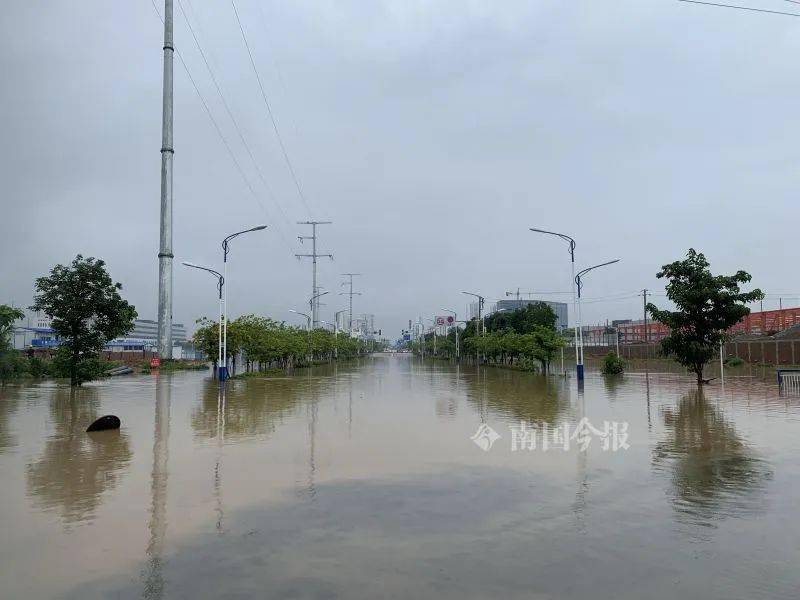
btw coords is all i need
(265, 344)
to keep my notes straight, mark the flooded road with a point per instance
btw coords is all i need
(363, 481)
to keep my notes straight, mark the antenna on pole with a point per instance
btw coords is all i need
(313, 256)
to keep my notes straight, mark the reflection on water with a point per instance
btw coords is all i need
(76, 468)
(714, 473)
(361, 481)
(532, 399)
(157, 525)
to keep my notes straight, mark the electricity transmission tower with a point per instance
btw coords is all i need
(350, 293)
(313, 256)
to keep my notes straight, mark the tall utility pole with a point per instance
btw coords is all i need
(313, 256)
(351, 293)
(165, 245)
(646, 333)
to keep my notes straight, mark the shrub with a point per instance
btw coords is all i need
(733, 361)
(613, 364)
(37, 367)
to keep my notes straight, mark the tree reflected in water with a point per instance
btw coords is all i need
(714, 473)
(253, 408)
(9, 402)
(520, 396)
(76, 467)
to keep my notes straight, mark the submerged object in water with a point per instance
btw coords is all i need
(105, 422)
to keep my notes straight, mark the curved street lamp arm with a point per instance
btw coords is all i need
(233, 235)
(563, 236)
(218, 275)
(586, 270)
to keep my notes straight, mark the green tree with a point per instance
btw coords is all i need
(706, 307)
(11, 363)
(87, 312)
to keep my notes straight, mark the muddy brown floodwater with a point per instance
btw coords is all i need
(363, 481)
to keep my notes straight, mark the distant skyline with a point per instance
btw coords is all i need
(433, 135)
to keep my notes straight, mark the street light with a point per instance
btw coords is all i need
(433, 328)
(220, 287)
(224, 323)
(579, 286)
(336, 332)
(308, 325)
(481, 300)
(572, 244)
(314, 297)
(455, 322)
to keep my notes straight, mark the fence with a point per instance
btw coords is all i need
(764, 352)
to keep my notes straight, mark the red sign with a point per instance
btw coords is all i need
(450, 320)
(155, 363)
(440, 321)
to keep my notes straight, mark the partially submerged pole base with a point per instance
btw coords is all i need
(222, 372)
(579, 372)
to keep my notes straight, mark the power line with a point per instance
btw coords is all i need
(221, 135)
(269, 112)
(230, 114)
(748, 8)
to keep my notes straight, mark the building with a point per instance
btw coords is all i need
(559, 308)
(38, 333)
(765, 322)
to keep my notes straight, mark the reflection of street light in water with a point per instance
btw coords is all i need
(218, 467)
(154, 578)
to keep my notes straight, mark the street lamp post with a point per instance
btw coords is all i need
(455, 322)
(579, 286)
(220, 288)
(336, 332)
(223, 375)
(481, 300)
(308, 326)
(311, 302)
(433, 328)
(572, 244)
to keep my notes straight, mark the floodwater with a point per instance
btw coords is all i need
(362, 481)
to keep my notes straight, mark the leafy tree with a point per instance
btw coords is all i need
(11, 363)
(87, 312)
(524, 319)
(706, 307)
(8, 314)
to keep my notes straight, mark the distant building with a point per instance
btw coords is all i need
(37, 332)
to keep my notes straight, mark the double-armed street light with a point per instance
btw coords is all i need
(220, 288)
(223, 368)
(579, 286)
(455, 322)
(571, 243)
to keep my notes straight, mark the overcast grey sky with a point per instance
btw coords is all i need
(433, 134)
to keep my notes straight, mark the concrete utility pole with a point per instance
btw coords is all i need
(313, 256)
(646, 336)
(351, 293)
(165, 255)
